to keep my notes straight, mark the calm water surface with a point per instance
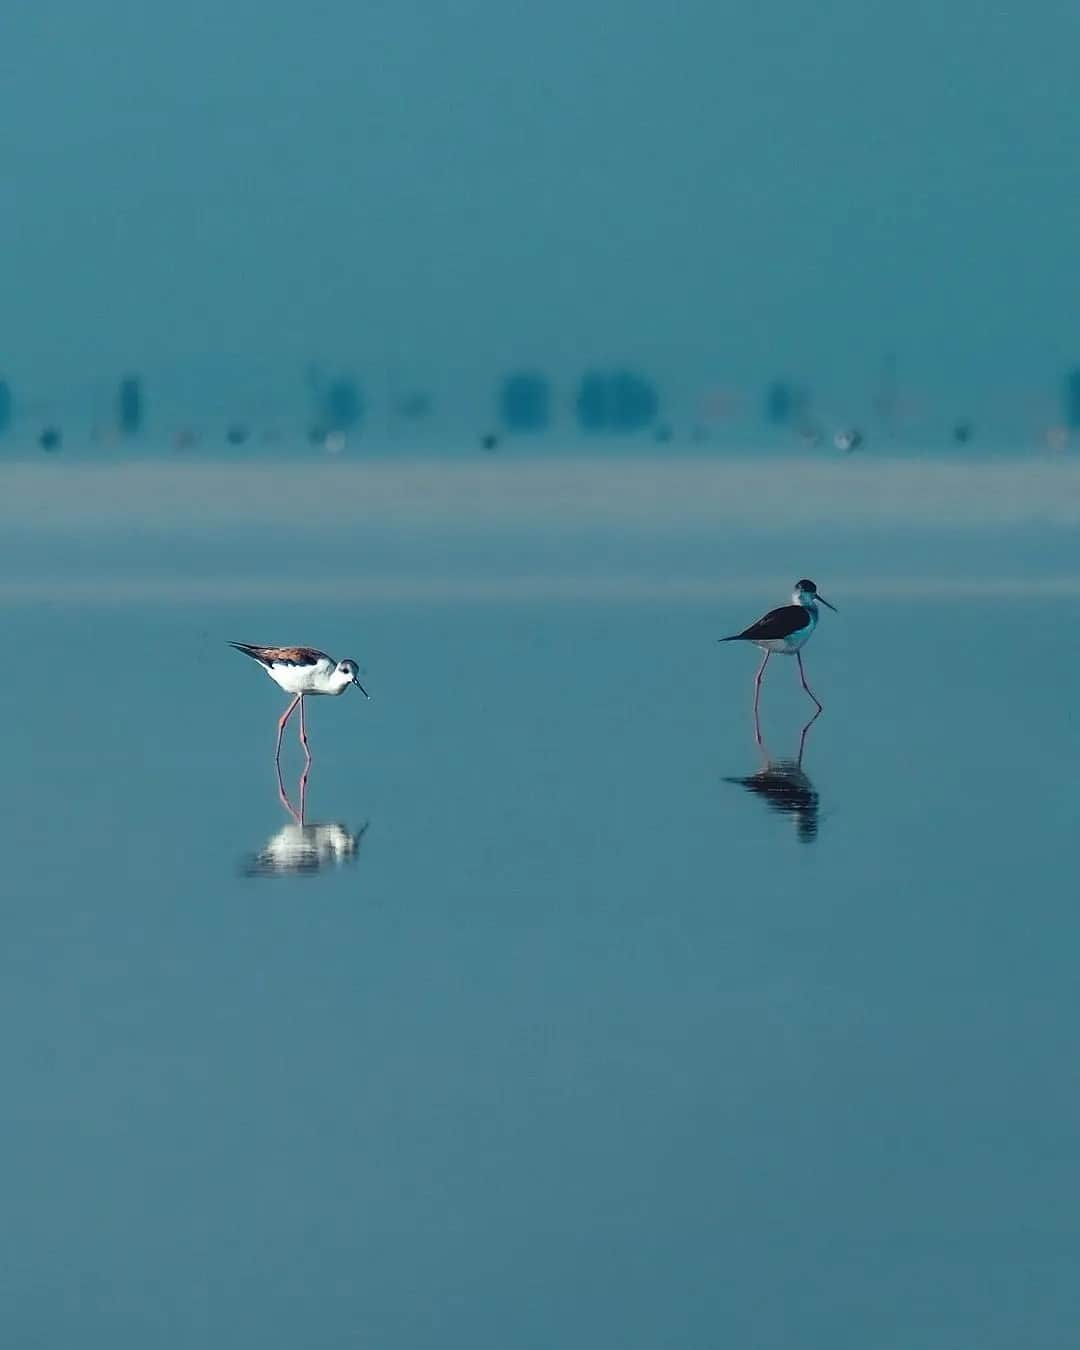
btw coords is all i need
(555, 1035)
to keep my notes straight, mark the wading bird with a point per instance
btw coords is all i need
(786, 630)
(302, 671)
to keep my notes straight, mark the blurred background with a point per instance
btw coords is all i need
(423, 226)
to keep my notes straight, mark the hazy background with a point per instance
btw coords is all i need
(202, 192)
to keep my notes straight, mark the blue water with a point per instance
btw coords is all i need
(564, 1038)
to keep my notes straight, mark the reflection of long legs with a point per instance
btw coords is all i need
(802, 738)
(283, 797)
(802, 676)
(281, 725)
(303, 731)
(303, 791)
(299, 816)
(757, 684)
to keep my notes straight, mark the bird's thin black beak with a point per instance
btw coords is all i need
(356, 681)
(827, 605)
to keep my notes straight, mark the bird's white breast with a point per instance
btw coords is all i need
(313, 679)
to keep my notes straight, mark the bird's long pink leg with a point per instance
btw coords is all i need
(281, 726)
(759, 739)
(802, 676)
(757, 689)
(303, 731)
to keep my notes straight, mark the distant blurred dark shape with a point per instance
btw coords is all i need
(7, 406)
(962, 432)
(237, 433)
(50, 438)
(414, 406)
(339, 402)
(489, 441)
(129, 405)
(592, 403)
(635, 401)
(342, 404)
(810, 433)
(1071, 398)
(316, 435)
(785, 402)
(525, 402)
(620, 401)
(184, 439)
(848, 440)
(662, 432)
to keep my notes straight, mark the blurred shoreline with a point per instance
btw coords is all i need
(645, 495)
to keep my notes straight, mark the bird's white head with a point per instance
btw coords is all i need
(806, 594)
(345, 673)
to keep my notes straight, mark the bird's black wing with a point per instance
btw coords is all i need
(778, 623)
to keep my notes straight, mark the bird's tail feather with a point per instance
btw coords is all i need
(247, 649)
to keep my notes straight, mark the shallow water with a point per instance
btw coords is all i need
(554, 1035)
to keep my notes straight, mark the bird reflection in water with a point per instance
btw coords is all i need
(303, 849)
(785, 787)
(300, 848)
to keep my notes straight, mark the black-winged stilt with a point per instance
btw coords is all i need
(302, 671)
(785, 630)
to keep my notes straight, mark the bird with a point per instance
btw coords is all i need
(302, 671)
(785, 630)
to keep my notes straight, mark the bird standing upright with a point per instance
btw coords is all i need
(785, 630)
(302, 671)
